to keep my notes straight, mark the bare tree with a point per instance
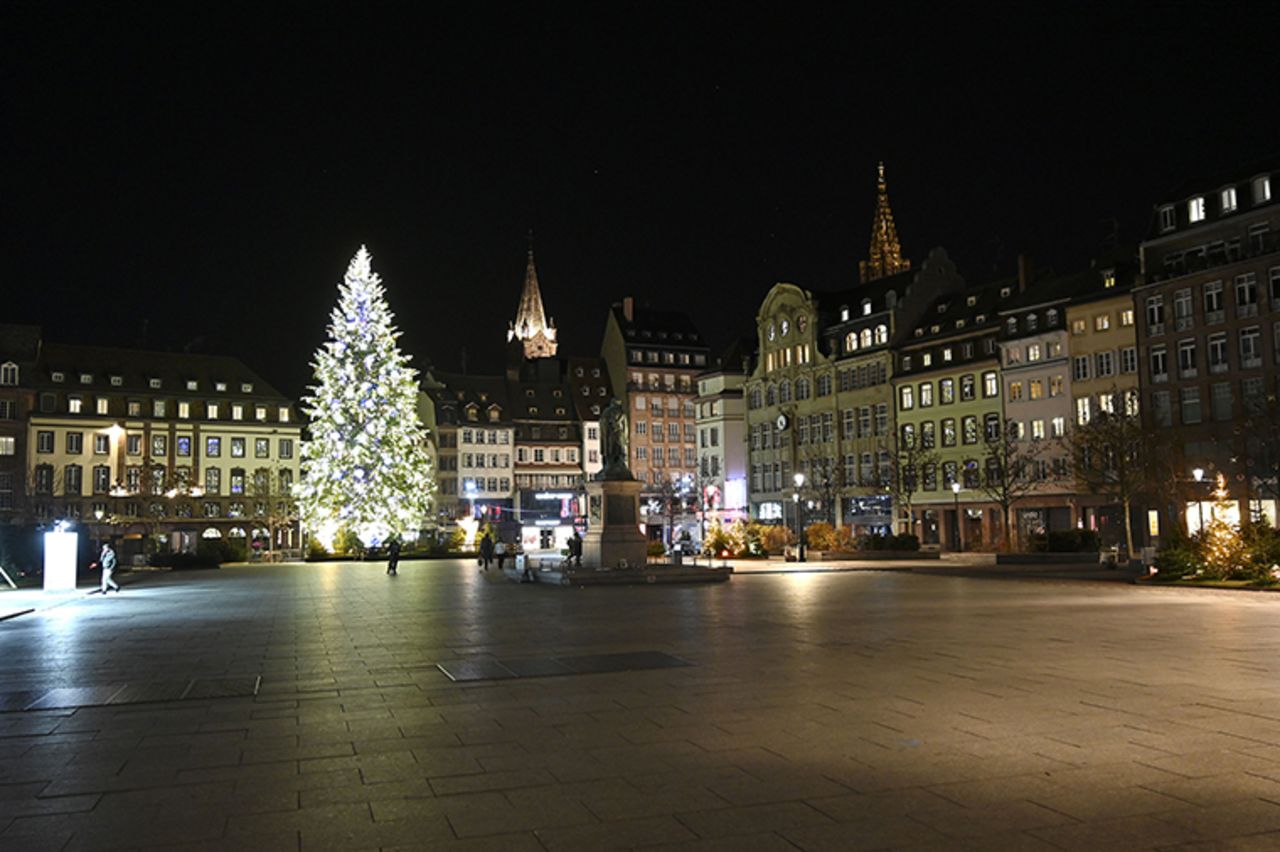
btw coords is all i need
(274, 506)
(1112, 457)
(908, 464)
(1014, 467)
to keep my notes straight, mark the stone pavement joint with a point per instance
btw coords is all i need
(840, 710)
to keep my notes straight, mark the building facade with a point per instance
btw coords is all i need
(722, 447)
(161, 448)
(1208, 305)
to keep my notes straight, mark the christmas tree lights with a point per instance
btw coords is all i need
(1222, 548)
(365, 465)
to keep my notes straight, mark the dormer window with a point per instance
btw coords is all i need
(1228, 199)
(117, 381)
(220, 387)
(934, 329)
(1195, 209)
(58, 376)
(1261, 189)
(971, 301)
(1012, 325)
(844, 313)
(1051, 317)
(919, 332)
(959, 323)
(533, 409)
(1004, 292)
(246, 388)
(192, 384)
(866, 307)
(528, 392)
(1168, 218)
(980, 319)
(154, 384)
(283, 415)
(8, 373)
(560, 411)
(86, 378)
(942, 308)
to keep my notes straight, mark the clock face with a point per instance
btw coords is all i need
(773, 331)
(786, 326)
(781, 422)
(802, 322)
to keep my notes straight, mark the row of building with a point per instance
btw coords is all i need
(808, 418)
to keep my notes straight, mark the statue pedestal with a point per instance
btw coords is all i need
(613, 538)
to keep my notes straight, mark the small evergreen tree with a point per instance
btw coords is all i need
(365, 465)
(1221, 546)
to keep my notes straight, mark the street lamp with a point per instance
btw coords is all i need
(97, 527)
(1198, 473)
(955, 493)
(799, 480)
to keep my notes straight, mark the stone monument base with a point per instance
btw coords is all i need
(613, 538)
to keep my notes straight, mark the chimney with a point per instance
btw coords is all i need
(1024, 272)
(629, 308)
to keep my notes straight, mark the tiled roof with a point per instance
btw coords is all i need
(138, 368)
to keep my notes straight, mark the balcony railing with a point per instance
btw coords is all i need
(1159, 377)
(1215, 317)
(1259, 246)
(1188, 373)
(1250, 363)
(1155, 328)
(1220, 367)
(1250, 310)
(1183, 323)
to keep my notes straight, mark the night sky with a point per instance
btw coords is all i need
(199, 175)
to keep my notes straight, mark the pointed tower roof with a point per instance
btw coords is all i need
(531, 326)
(885, 256)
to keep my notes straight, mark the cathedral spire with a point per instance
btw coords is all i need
(885, 256)
(531, 326)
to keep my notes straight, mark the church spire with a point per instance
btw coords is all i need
(531, 326)
(885, 256)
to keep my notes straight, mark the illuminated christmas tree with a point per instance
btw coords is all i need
(365, 466)
(1221, 546)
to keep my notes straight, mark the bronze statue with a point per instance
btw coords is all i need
(614, 441)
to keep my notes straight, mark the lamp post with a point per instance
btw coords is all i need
(799, 480)
(97, 527)
(1198, 474)
(955, 493)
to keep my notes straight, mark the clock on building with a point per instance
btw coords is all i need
(781, 422)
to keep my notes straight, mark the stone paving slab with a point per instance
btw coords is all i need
(843, 710)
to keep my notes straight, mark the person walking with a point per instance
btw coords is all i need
(108, 562)
(486, 552)
(500, 551)
(575, 549)
(393, 554)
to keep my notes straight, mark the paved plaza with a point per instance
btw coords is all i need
(300, 707)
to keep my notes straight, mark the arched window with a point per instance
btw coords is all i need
(1051, 317)
(882, 334)
(8, 373)
(802, 389)
(771, 395)
(211, 532)
(824, 384)
(1031, 322)
(865, 337)
(784, 391)
(236, 532)
(1012, 325)
(851, 342)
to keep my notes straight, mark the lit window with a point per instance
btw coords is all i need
(1195, 209)
(1261, 189)
(1126, 317)
(237, 412)
(211, 410)
(260, 413)
(192, 385)
(1079, 326)
(184, 409)
(75, 404)
(86, 378)
(154, 383)
(246, 388)
(117, 381)
(1102, 322)
(1108, 279)
(1228, 199)
(1168, 219)
(101, 403)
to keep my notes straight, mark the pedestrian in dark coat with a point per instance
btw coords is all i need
(486, 552)
(393, 554)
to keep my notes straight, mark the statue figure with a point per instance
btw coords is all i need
(614, 441)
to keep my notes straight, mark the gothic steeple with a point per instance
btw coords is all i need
(531, 326)
(885, 256)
